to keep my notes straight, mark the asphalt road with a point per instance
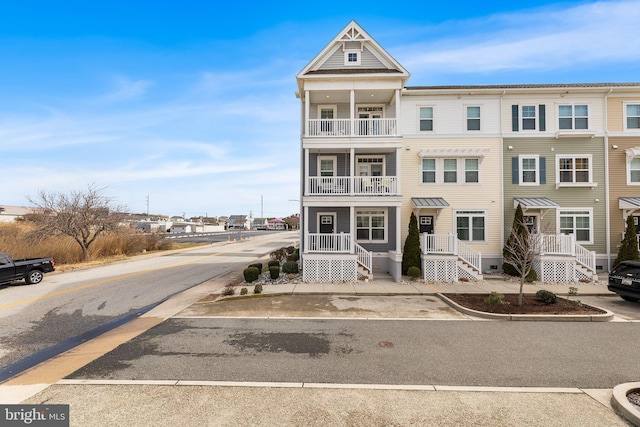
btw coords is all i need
(66, 306)
(455, 352)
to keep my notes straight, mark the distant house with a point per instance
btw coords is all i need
(239, 222)
(11, 213)
(276, 224)
(260, 223)
(183, 227)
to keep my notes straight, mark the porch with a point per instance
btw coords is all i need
(562, 259)
(352, 186)
(447, 258)
(351, 127)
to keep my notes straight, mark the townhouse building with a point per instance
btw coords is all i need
(461, 158)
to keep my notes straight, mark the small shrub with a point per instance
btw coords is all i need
(292, 258)
(257, 289)
(257, 265)
(274, 272)
(244, 291)
(414, 272)
(229, 290)
(546, 296)
(495, 299)
(290, 267)
(279, 254)
(577, 303)
(273, 263)
(573, 290)
(290, 249)
(251, 274)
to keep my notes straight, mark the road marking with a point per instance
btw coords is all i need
(113, 279)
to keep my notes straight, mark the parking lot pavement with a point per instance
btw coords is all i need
(623, 310)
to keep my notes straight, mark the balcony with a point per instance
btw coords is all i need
(352, 186)
(331, 128)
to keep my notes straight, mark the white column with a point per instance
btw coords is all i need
(306, 172)
(398, 113)
(352, 112)
(398, 169)
(352, 229)
(306, 112)
(306, 229)
(352, 154)
(398, 230)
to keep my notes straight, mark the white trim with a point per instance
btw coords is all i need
(386, 224)
(471, 213)
(467, 118)
(433, 119)
(321, 107)
(335, 219)
(624, 115)
(348, 52)
(521, 117)
(632, 154)
(439, 170)
(559, 212)
(373, 156)
(521, 169)
(574, 183)
(335, 164)
(573, 117)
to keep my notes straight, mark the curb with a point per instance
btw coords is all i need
(621, 404)
(606, 317)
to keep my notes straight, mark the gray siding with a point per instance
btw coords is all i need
(367, 60)
(391, 163)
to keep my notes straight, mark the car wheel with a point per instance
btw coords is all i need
(34, 277)
(630, 299)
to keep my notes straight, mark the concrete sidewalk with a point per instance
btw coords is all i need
(175, 402)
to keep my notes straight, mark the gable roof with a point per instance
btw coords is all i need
(353, 36)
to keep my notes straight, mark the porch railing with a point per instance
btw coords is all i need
(444, 244)
(365, 258)
(348, 185)
(329, 243)
(349, 127)
(555, 244)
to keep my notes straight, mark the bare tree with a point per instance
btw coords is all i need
(82, 215)
(522, 250)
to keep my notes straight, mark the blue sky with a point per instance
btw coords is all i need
(193, 103)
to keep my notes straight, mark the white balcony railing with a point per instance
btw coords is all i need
(346, 185)
(329, 243)
(349, 127)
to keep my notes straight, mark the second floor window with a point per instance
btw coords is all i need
(633, 116)
(426, 119)
(573, 117)
(445, 171)
(528, 117)
(574, 169)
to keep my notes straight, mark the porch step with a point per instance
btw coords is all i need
(363, 273)
(465, 270)
(582, 273)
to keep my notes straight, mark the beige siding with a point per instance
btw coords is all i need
(618, 186)
(616, 113)
(486, 195)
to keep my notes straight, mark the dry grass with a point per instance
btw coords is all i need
(16, 240)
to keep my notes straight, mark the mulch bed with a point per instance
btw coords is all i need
(529, 306)
(634, 398)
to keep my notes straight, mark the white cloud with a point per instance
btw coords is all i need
(541, 39)
(126, 89)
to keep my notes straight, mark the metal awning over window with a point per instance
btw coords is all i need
(629, 205)
(534, 203)
(453, 152)
(429, 202)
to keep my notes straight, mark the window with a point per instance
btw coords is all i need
(352, 57)
(573, 117)
(528, 117)
(633, 116)
(370, 166)
(529, 170)
(327, 166)
(471, 170)
(370, 226)
(634, 171)
(326, 113)
(470, 225)
(450, 170)
(445, 171)
(426, 119)
(573, 169)
(473, 118)
(429, 171)
(577, 222)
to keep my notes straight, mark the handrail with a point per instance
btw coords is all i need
(586, 258)
(365, 258)
(469, 255)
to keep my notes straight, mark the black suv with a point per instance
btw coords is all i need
(624, 280)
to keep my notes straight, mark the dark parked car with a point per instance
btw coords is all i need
(31, 270)
(624, 280)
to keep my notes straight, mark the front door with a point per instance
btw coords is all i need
(426, 224)
(532, 223)
(326, 224)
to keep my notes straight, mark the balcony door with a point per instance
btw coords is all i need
(327, 113)
(367, 118)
